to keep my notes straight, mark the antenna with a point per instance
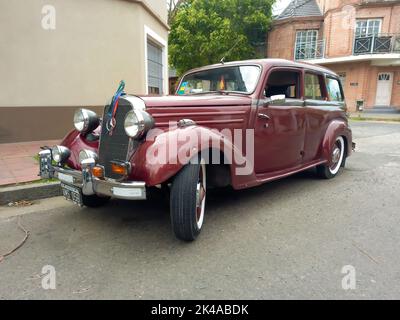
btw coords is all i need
(229, 51)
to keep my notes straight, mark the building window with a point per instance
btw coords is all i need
(306, 44)
(156, 62)
(313, 87)
(154, 69)
(368, 38)
(384, 76)
(368, 27)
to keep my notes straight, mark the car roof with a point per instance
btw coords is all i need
(269, 63)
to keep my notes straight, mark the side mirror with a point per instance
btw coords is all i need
(278, 99)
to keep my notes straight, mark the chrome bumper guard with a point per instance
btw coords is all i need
(87, 182)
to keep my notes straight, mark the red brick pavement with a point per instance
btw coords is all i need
(17, 162)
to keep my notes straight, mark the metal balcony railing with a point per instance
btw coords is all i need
(381, 43)
(371, 44)
(310, 50)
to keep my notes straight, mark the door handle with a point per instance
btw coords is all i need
(263, 116)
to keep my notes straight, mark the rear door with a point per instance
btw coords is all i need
(324, 100)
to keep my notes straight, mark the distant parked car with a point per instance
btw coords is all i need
(236, 124)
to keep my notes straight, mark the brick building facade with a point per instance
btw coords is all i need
(358, 39)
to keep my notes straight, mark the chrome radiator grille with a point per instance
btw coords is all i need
(115, 146)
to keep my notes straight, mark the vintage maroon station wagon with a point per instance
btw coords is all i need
(285, 117)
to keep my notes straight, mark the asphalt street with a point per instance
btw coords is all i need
(286, 239)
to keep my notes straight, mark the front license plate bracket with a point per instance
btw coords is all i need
(72, 193)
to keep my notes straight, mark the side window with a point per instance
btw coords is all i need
(334, 90)
(313, 87)
(283, 82)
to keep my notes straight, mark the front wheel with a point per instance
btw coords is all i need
(331, 169)
(187, 201)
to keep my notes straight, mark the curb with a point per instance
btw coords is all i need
(377, 119)
(34, 191)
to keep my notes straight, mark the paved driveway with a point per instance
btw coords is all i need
(287, 239)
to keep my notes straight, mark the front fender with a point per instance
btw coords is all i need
(165, 152)
(335, 129)
(76, 142)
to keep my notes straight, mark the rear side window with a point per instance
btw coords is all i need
(334, 89)
(313, 87)
(283, 82)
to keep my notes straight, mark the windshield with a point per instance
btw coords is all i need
(242, 79)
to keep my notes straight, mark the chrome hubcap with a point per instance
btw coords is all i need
(337, 155)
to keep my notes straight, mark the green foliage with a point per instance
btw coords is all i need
(204, 31)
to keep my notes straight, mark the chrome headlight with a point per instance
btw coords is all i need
(60, 154)
(137, 123)
(87, 154)
(85, 120)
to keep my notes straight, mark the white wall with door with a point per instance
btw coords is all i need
(384, 89)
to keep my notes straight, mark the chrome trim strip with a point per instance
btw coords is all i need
(195, 114)
(206, 122)
(106, 187)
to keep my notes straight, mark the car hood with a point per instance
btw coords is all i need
(196, 100)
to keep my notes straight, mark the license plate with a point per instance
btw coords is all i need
(72, 193)
(65, 177)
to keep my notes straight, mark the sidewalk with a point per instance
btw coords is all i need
(387, 114)
(17, 162)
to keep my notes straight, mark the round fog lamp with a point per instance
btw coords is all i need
(60, 153)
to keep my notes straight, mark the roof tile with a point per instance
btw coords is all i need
(300, 8)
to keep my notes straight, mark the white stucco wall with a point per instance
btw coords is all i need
(96, 43)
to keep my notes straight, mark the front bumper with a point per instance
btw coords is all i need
(90, 185)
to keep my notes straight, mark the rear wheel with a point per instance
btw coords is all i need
(187, 201)
(331, 169)
(94, 201)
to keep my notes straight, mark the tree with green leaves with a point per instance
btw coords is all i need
(173, 7)
(205, 31)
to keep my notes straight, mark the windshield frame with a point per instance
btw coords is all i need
(219, 67)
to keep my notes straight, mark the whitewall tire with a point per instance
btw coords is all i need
(336, 161)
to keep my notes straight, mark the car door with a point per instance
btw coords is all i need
(280, 123)
(321, 108)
